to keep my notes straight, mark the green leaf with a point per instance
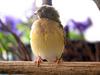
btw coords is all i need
(75, 36)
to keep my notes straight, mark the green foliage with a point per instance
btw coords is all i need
(75, 36)
(25, 29)
(6, 41)
(9, 44)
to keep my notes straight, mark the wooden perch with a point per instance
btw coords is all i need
(65, 68)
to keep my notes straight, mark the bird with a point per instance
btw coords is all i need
(47, 35)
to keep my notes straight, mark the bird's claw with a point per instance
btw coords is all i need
(58, 61)
(38, 60)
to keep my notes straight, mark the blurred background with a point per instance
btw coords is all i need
(80, 19)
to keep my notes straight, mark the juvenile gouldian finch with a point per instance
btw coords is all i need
(47, 35)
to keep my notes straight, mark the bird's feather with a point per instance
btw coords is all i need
(47, 39)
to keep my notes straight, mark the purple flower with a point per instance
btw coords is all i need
(11, 23)
(0, 27)
(66, 29)
(81, 26)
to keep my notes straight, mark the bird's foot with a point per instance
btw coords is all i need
(38, 60)
(58, 61)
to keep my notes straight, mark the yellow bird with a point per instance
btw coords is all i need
(47, 35)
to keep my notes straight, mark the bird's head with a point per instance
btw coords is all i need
(47, 11)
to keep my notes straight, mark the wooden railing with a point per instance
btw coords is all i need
(64, 68)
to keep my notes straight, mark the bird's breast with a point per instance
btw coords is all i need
(47, 39)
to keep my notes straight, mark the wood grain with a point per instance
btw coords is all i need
(69, 68)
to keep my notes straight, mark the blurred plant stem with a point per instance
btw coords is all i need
(48, 2)
(24, 52)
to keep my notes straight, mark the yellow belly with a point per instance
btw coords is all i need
(47, 39)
